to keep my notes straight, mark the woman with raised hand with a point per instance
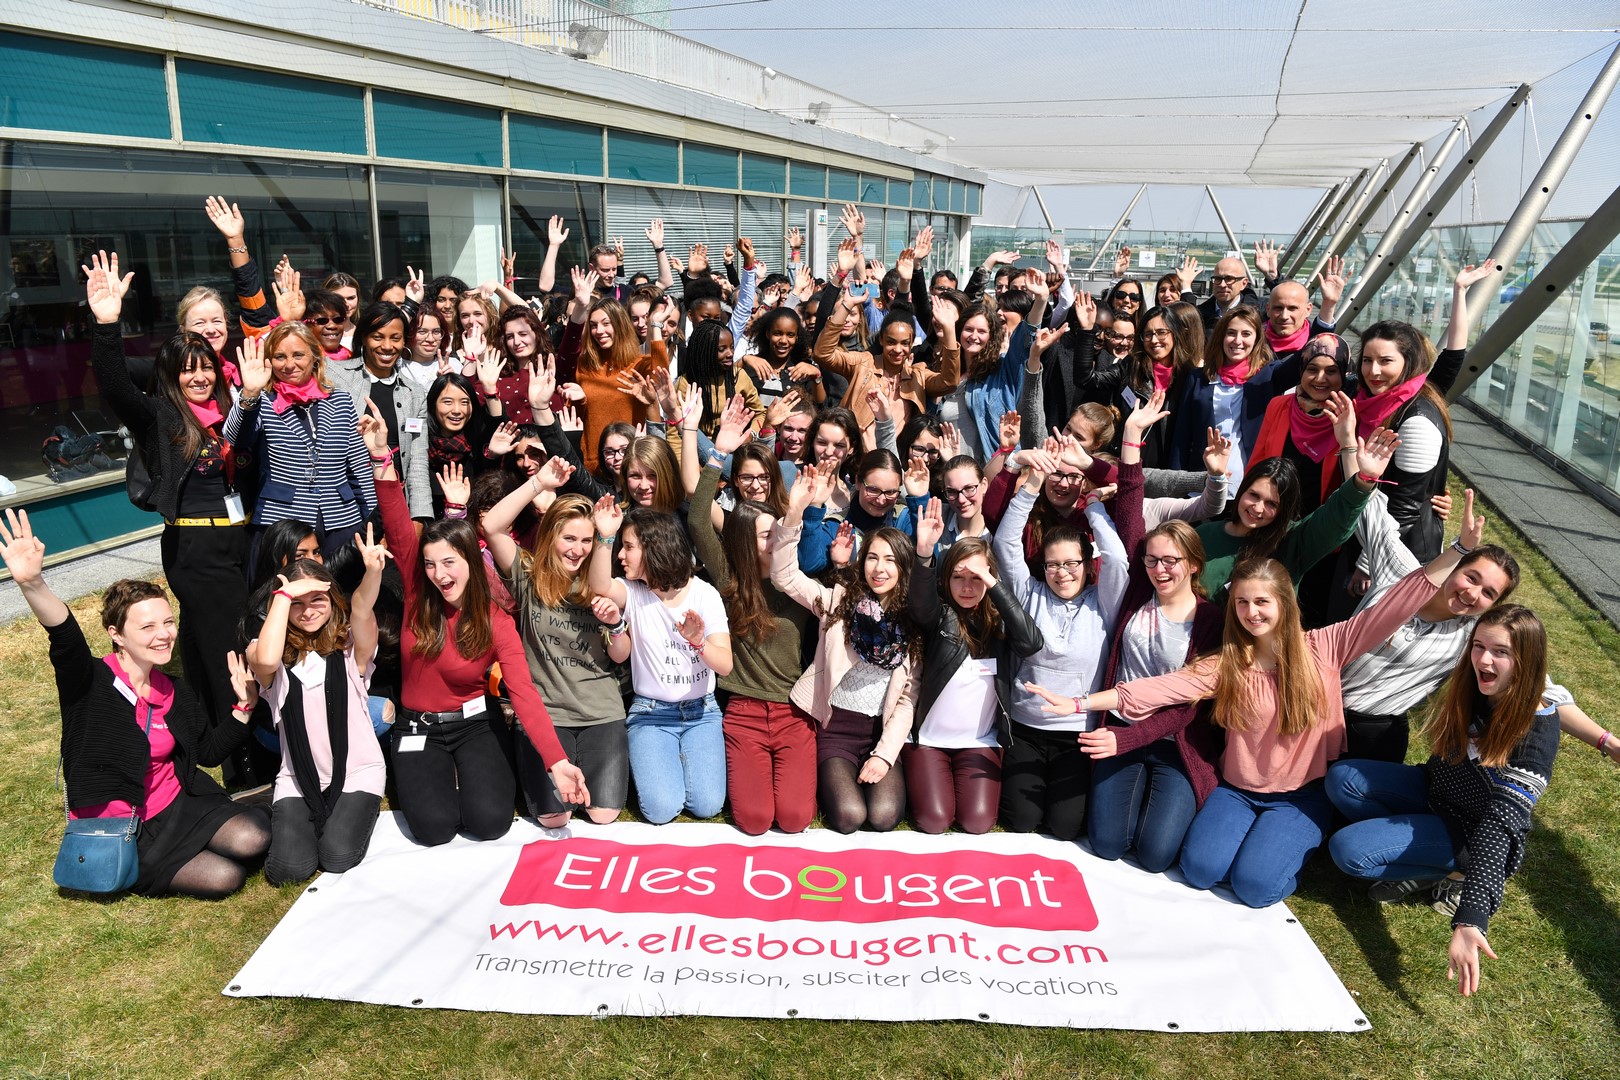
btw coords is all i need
(575, 642)
(1277, 694)
(598, 346)
(1239, 379)
(452, 753)
(1045, 777)
(992, 361)
(428, 352)
(1169, 349)
(863, 683)
(135, 742)
(178, 431)
(877, 505)
(314, 465)
(458, 431)
(770, 741)
(975, 635)
(314, 656)
(518, 342)
(680, 639)
(372, 375)
(708, 364)
(833, 446)
(1454, 829)
(1314, 427)
(781, 361)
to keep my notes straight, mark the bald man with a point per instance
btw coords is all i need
(1228, 288)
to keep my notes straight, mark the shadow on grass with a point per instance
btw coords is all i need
(1362, 919)
(1561, 888)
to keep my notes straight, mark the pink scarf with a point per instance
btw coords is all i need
(288, 395)
(1235, 374)
(1292, 343)
(229, 371)
(339, 353)
(207, 413)
(1312, 432)
(1374, 410)
(1162, 374)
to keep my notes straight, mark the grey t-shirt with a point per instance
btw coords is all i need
(1152, 645)
(568, 658)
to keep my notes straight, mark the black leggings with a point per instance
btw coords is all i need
(847, 804)
(458, 778)
(298, 847)
(1045, 777)
(206, 568)
(1377, 737)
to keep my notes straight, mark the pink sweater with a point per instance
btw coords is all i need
(1259, 758)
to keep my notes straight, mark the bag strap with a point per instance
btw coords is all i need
(135, 818)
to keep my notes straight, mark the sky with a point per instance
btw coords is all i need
(1040, 90)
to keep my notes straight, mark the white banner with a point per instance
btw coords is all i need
(703, 920)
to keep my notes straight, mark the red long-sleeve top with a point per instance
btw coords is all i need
(445, 682)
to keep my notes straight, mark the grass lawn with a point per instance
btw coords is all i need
(131, 988)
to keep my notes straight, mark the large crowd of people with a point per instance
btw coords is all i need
(1166, 579)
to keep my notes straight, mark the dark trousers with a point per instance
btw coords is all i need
(207, 568)
(299, 847)
(1045, 777)
(459, 780)
(961, 785)
(1375, 737)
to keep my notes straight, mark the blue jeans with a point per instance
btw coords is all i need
(1142, 801)
(1254, 841)
(1392, 835)
(677, 757)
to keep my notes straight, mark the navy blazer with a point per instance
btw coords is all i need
(316, 467)
(1192, 414)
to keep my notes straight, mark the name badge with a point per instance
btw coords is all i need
(987, 667)
(475, 707)
(413, 425)
(311, 670)
(408, 743)
(233, 509)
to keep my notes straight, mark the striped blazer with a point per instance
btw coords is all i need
(314, 465)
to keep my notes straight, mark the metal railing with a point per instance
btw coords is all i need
(596, 35)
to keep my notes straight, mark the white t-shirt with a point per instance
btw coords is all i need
(662, 665)
(964, 714)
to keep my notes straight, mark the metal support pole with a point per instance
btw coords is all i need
(1045, 213)
(1403, 217)
(1385, 191)
(1310, 223)
(1102, 249)
(1522, 224)
(1329, 220)
(1578, 253)
(1230, 235)
(1343, 234)
(1376, 275)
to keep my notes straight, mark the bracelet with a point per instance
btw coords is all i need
(658, 251)
(600, 539)
(1370, 481)
(619, 631)
(1080, 704)
(283, 592)
(455, 506)
(1134, 445)
(1603, 742)
(385, 459)
(766, 432)
(1347, 450)
(510, 280)
(1457, 546)
(236, 250)
(242, 709)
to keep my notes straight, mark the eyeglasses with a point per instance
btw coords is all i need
(954, 494)
(1111, 335)
(426, 333)
(1065, 477)
(615, 452)
(1169, 562)
(1067, 566)
(324, 320)
(754, 480)
(1135, 298)
(1157, 335)
(880, 494)
(925, 451)
(1226, 279)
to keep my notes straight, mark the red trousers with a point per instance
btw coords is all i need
(943, 786)
(770, 765)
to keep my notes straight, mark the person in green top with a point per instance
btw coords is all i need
(1260, 523)
(770, 742)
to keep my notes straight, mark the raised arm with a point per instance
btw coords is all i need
(556, 234)
(926, 608)
(264, 652)
(785, 572)
(608, 518)
(1467, 277)
(655, 237)
(24, 555)
(104, 294)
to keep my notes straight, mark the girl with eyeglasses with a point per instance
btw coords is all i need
(877, 505)
(1045, 777)
(863, 683)
(601, 352)
(426, 348)
(1169, 346)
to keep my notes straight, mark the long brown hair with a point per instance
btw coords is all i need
(183, 353)
(654, 455)
(552, 583)
(334, 635)
(981, 624)
(1300, 695)
(1215, 347)
(626, 349)
(747, 610)
(896, 604)
(1184, 350)
(1512, 711)
(430, 614)
(990, 359)
(1418, 352)
(775, 499)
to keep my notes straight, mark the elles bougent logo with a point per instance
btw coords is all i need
(729, 881)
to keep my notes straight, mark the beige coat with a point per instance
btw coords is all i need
(834, 653)
(917, 381)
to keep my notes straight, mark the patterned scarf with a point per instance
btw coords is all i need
(448, 449)
(878, 640)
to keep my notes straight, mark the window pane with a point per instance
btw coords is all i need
(974, 194)
(958, 196)
(843, 186)
(533, 204)
(709, 166)
(762, 223)
(632, 156)
(554, 145)
(64, 86)
(874, 189)
(690, 217)
(259, 108)
(809, 181)
(942, 193)
(66, 202)
(760, 173)
(449, 223)
(899, 193)
(430, 130)
(895, 236)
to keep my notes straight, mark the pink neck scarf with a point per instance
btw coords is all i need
(1374, 410)
(1292, 343)
(1235, 374)
(1162, 375)
(288, 395)
(207, 413)
(1312, 432)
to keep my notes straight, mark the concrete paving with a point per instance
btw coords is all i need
(1577, 533)
(80, 577)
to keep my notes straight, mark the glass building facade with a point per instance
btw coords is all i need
(336, 176)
